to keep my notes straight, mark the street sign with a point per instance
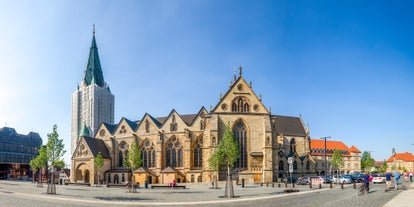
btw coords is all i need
(290, 160)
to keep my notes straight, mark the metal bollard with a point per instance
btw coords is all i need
(354, 185)
(278, 185)
(342, 185)
(330, 185)
(320, 186)
(261, 184)
(267, 184)
(310, 184)
(273, 185)
(293, 185)
(285, 185)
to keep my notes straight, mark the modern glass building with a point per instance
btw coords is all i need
(16, 151)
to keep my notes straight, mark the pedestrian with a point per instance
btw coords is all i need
(411, 176)
(388, 180)
(406, 176)
(397, 176)
(173, 184)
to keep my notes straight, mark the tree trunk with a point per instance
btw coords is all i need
(229, 192)
(215, 181)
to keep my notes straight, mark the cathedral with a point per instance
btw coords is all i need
(178, 146)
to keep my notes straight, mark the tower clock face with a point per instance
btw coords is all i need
(224, 107)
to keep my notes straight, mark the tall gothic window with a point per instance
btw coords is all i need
(121, 159)
(295, 165)
(198, 153)
(240, 135)
(281, 165)
(240, 104)
(148, 154)
(307, 165)
(174, 153)
(292, 145)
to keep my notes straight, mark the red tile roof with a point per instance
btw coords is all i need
(354, 149)
(330, 147)
(407, 157)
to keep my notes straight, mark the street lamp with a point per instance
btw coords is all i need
(324, 155)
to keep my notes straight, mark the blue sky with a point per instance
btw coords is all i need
(345, 66)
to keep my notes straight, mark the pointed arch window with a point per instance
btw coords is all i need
(240, 135)
(121, 159)
(174, 153)
(295, 165)
(307, 165)
(281, 164)
(198, 154)
(148, 154)
(240, 104)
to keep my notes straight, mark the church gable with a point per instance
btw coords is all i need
(199, 121)
(82, 150)
(148, 125)
(105, 131)
(240, 98)
(125, 128)
(174, 123)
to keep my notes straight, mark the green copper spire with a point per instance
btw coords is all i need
(93, 72)
(85, 131)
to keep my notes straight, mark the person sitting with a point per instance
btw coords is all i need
(173, 184)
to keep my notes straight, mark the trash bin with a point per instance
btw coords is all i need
(146, 184)
(242, 182)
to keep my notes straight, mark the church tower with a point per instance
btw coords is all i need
(92, 102)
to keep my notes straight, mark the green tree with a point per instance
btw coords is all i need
(133, 161)
(213, 162)
(384, 167)
(38, 163)
(337, 162)
(99, 162)
(54, 151)
(367, 162)
(226, 154)
(34, 165)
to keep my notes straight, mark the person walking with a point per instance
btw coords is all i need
(411, 176)
(388, 181)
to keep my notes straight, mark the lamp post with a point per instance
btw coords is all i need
(324, 156)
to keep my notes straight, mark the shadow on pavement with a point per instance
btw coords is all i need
(121, 199)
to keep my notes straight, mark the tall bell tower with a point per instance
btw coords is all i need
(92, 102)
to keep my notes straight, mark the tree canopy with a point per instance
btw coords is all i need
(55, 149)
(227, 151)
(133, 158)
(337, 161)
(367, 162)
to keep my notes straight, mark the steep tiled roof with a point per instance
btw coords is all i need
(161, 120)
(318, 147)
(145, 170)
(354, 149)
(289, 125)
(96, 146)
(189, 118)
(93, 72)
(111, 127)
(406, 157)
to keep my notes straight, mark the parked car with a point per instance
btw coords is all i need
(352, 177)
(303, 180)
(378, 178)
(341, 179)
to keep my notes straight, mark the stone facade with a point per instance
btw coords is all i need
(177, 147)
(404, 162)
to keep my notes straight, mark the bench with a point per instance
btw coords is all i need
(86, 184)
(167, 186)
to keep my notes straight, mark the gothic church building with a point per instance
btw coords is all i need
(178, 146)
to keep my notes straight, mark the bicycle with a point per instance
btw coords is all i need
(363, 189)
